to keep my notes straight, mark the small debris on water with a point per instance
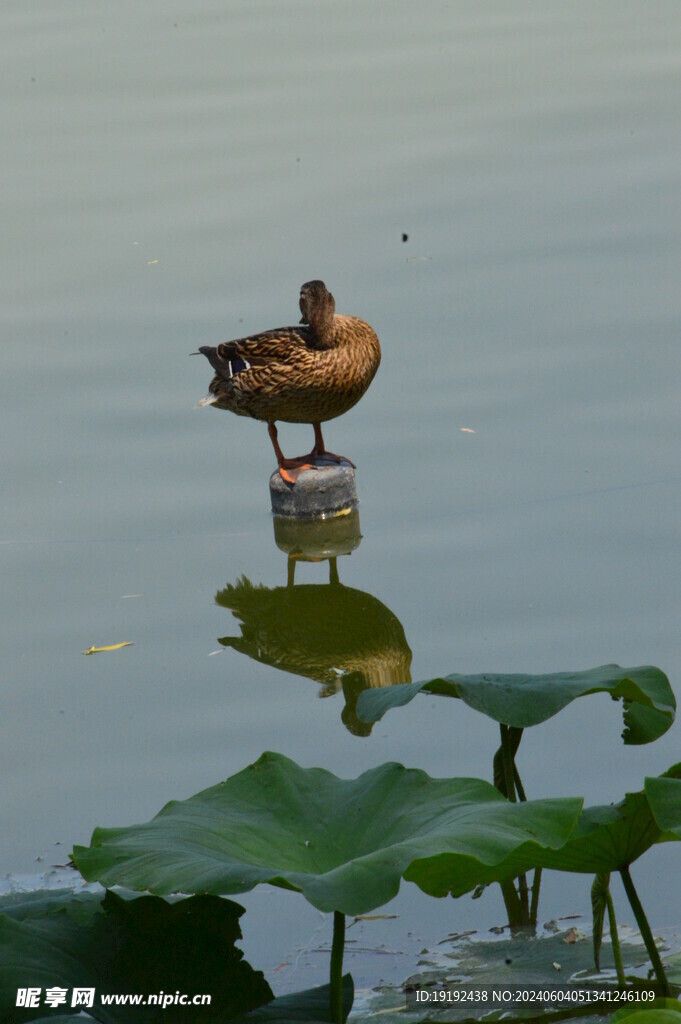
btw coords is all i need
(374, 917)
(109, 647)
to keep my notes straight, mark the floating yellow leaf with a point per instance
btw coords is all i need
(111, 647)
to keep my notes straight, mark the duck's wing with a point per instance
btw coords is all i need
(282, 345)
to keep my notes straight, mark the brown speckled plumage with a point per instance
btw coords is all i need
(310, 373)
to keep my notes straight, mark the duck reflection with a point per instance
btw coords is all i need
(343, 638)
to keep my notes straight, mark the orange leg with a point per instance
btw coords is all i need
(320, 452)
(289, 469)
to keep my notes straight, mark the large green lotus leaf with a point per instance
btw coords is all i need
(672, 968)
(524, 958)
(607, 838)
(611, 836)
(143, 945)
(664, 797)
(666, 1016)
(345, 844)
(307, 1007)
(456, 873)
(524, 700)
(70, 1019)
(660, 1011)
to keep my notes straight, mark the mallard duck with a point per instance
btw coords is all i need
(310, 373)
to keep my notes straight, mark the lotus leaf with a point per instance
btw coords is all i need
(344, 844)
(306, 1007)
(673, 968)
(70, 1019)
(660, 1011)
(144, 945)
(523, 958)
(612, 836)
(653, 1016)
(607, 838)
(664, 796)
(526, 700)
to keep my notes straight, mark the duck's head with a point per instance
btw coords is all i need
(317, 304)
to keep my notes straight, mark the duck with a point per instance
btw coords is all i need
(309, 373)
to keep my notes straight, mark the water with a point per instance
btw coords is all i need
(171, 174)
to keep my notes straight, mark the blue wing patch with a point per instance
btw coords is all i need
(238, 365)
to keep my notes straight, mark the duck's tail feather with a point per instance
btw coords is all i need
(208, 400)
(225, 361)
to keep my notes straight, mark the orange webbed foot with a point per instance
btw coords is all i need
(291, 469)
(332, 457)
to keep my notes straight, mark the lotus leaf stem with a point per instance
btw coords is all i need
(534, 905)
(518, 784)
(336, 972)
(644, 928)
(524, 895)
(517, 918)
(507, 762)
(615, 939)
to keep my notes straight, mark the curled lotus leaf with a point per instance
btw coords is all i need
(521, 701)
